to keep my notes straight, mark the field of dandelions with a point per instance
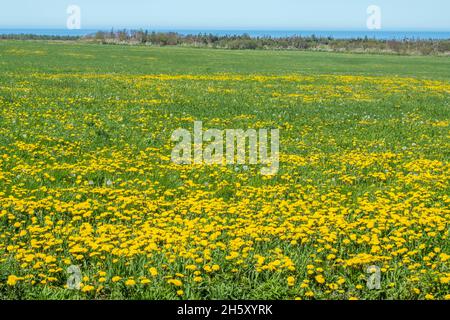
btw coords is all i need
(86, 177)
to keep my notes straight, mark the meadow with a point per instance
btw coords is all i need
(86, 177)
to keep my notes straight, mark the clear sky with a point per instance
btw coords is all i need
(228, 14)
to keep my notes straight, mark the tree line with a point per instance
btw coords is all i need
(245, 41)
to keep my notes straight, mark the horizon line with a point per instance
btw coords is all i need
(161, 28)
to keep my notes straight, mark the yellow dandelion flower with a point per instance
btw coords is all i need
(320, 279)
(175, 282)
(130, 282)
(87, 288)
(12, 280)
(153, 272)
(291, 281)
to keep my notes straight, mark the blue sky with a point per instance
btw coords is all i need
(230, 14)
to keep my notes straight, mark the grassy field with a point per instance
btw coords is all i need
(86, 177)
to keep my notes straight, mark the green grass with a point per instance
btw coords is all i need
(363, 175)
(60, 56)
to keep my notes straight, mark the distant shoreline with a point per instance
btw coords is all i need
(336, 34)
(405, 46)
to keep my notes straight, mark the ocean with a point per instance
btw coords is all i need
(381, 35)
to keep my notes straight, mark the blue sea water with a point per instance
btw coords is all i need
(381, 35)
